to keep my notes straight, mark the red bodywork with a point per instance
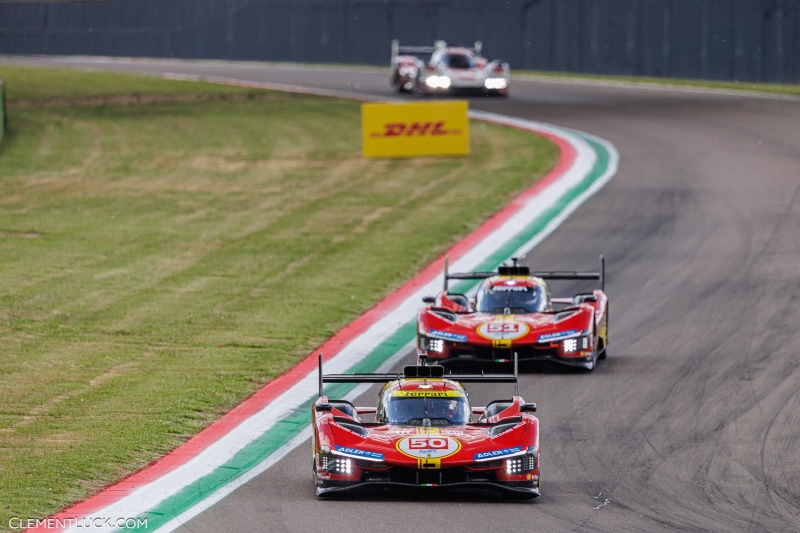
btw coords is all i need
(568, 331)
(497, 447)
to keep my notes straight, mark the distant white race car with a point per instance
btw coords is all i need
(449, 70)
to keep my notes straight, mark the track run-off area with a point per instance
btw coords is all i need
(692, 421)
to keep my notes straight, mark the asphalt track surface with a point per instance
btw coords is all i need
(693, 421)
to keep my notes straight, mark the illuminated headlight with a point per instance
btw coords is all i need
(337, 465)
(513, 466)
(580, 343)
(522, 464)
(495, 83)
(437, 82)
(343, 466)
(431, 345)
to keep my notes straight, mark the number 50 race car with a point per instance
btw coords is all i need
(513, 313)
(450, 70)
(424, 438)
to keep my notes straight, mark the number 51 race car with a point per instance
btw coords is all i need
(424, 436)
(513, 313)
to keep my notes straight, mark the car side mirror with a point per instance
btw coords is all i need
(527, 407)
(428, 299)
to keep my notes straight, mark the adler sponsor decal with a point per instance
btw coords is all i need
(418, 129)
(356, 452)
(558, 335)
(447, 335)
(485, 456)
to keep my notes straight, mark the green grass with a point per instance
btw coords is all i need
(161, 262)
(42, 84)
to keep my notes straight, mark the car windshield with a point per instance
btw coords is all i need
(514, 298)
(459, 61)
(427, 411)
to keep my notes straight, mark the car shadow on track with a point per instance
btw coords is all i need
(425, 494)
(525, 367)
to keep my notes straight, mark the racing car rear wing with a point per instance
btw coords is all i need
(522, 270)
(397, 49)
(419, 371)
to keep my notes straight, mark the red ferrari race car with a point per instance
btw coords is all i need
(513, 313)
(449, 70)
(424, 436)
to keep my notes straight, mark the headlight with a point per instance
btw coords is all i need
(522, 464)
(437, 82)
(495, 83)
(579, 343)
(431, 345)
(336, 465)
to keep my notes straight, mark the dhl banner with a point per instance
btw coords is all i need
(415, 129)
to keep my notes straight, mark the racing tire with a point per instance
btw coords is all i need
(604, 353)
(316, 480)
(396, 87)
(417, 90)
(595, 357)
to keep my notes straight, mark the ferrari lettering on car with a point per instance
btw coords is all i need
(512, 313)
(425, 437)
(424, 392)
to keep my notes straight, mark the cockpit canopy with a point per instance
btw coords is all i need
(453, 59)
(424, 407)
(508, 295)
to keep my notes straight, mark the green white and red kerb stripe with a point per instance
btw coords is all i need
(268, 425)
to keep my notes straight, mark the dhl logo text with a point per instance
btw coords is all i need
(419, 129)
